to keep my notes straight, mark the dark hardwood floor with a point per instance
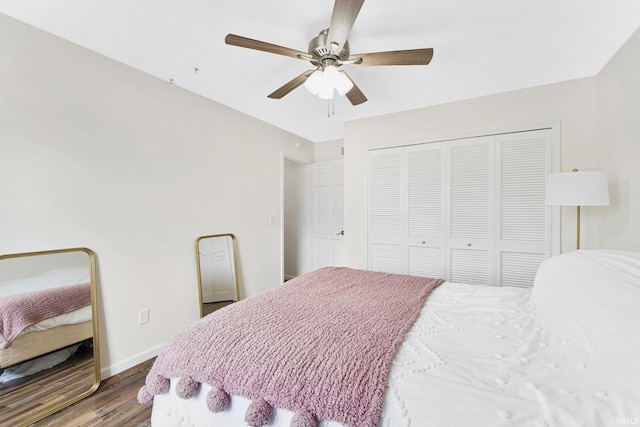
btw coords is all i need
(113, 404)
(210, 307)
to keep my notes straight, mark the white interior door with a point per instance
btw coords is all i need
(326, 214)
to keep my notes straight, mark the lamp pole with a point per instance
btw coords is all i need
(578, 230)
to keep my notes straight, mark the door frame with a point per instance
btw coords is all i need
(284, 157)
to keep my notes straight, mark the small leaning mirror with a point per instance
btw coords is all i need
(49, 354)
(217, 272)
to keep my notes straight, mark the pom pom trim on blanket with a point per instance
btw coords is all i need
(218, 400)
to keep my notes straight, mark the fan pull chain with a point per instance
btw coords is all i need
(331, 110)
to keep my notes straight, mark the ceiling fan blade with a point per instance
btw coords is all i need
(291, 85)
(394, 57)
(240, 41)
(344, 15)
(355, 95)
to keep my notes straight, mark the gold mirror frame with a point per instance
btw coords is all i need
(199, 267)
(44, 410)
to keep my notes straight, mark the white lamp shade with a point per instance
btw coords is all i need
(314, 82)
(324, 82)
(577, 189)
(325, 92)
(343, 84)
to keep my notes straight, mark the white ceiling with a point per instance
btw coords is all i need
(480, 48)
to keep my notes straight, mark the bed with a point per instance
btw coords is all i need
(44, 313)
(563, 353)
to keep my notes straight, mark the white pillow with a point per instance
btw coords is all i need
(592, 298)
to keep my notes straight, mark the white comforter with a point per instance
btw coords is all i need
(478, 356)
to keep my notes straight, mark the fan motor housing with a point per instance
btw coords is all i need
(318, 49)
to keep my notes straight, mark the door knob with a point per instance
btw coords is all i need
(340, 233)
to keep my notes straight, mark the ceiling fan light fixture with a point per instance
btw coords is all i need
(323, 82)
(326, 92)
(315, 82)
(331, 73)
(344, 84)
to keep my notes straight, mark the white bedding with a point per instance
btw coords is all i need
(51, 279)
(482, 356)
(83, 314)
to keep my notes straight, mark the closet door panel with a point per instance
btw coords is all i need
(469, 189)
(522, 179)
(519, 268)
(470, 204)
(425, 210)
(386, 214)
(424, 193)
(426, 262)
(385, 258)
(470, 266)
(523, 238)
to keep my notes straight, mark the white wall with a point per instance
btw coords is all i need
(619, 145)
(94, 153)
(329, 150)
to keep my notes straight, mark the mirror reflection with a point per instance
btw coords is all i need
(48, 333)
(217, 272)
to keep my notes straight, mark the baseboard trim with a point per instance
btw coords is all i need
(116, 368)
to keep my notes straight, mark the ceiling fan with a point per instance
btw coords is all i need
(330, 50)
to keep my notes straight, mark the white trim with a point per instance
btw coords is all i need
(475, 134)
(295, 159)
(109, 371)
(283, 157)
(556, 162)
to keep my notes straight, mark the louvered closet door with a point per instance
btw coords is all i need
(470, 203)
(386, 215)
(425, 210)
(469, 210)
(523, 235)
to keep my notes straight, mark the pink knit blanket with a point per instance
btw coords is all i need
(320, 345)
(17, 312)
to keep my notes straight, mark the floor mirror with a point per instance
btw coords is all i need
(217, 271)
(49, 355)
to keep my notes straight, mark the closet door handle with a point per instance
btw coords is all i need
(340, 233)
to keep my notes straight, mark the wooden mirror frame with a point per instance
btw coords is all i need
(46, 410)
(199, 271)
